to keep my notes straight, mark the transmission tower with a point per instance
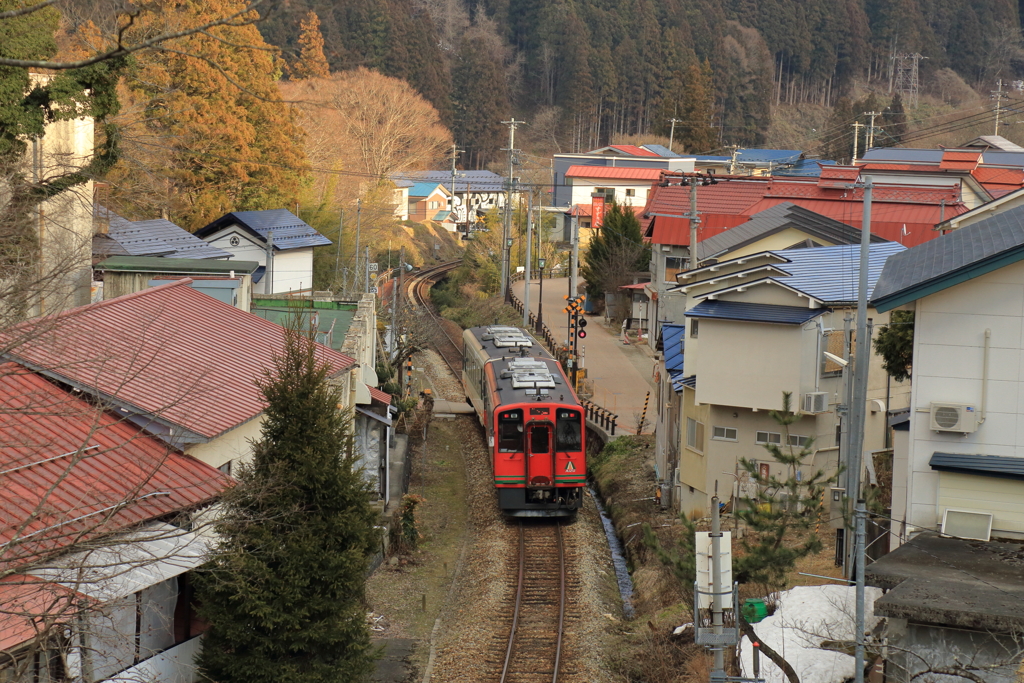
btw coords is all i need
(906, 77)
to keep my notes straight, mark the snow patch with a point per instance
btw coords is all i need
(808, 615)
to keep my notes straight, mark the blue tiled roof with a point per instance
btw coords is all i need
(998, 466)
(690, 381)
(831, 273)
(290, 231)
(755, 313)
(660, 150)
(424, 189)
(805, 168)
(476, 181)
(673, 338)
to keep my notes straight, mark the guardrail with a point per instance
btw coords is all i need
(595, 413)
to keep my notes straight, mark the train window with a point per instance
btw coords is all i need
(510, 433)
(568, 431)
(539, 440)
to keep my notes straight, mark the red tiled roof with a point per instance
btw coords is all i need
(638, 285)
(999, 177)
(838, 176)
(615, 172)
(25, 600)
(171, 352)
(634, 150)
(730, 203)
(378, 395)
(68, 469)
(960, 160)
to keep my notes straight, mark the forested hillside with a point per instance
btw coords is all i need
(583, 71)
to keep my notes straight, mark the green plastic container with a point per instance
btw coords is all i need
(754, 610)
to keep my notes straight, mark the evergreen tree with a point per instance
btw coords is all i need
(312, 63)
(837, 138)
(284, 591)
(783, 513)
(895, 344)
(481, 102)
(895, 123)
(615, 253)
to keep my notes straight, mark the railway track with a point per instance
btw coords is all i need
(447, 345)
(534, 650)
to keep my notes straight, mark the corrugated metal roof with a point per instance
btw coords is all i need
(379, 395)
(960, 255)
(999, 466)
(674, 337)
(170, 352)
(68, 468)
(471, 181)
(831, 274)
(24, 598)
(633, 150)
(661, 151)
(290, 231)
(804, 168)
(775, 156)
(614, 172)
(174, 265)
(423, 189)
(147, 238)
(755, 313)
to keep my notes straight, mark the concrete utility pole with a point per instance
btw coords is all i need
(355, 269)
(337, 258)
(529, 256)
(860, 514)
(998, 95)
(366, 271)
(694, 221)
(734, 152)
(716, 580)
(871, 128)
(507, 223)
(856, 134)
(455, 156)
(672, 131)
(574, 271)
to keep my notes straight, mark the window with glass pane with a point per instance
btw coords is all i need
(510, 433)
(673, 266)
(694, 434)
(724, 433)
(797, 440)
(568, 431)
(769, 437)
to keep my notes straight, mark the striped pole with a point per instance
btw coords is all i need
(643, 415)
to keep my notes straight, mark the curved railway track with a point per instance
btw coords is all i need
(534, 650)
(418, 293)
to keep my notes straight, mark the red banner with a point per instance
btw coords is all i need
(597, 211)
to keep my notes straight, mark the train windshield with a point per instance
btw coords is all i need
(568, 431)
(510, 432)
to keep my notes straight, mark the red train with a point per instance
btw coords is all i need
(534, 422)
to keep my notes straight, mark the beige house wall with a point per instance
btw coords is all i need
(777, 242)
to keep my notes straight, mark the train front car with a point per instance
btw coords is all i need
(535, 425)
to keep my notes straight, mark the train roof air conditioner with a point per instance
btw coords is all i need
(953, 417)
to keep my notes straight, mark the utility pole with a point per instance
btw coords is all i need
(366, 271)
(859, 514)
(574, 270)
(451, 200)
(337, 258)
(998, 95)
(694, 220)
(672, 132)
(734, 153)
(716, 582)
(506, 253)
(871, 128)
(355, 269)
(529, 255)
(856, 134)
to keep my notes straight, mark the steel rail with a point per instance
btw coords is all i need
(418, 291)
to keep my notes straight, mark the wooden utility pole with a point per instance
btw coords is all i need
(871, 128)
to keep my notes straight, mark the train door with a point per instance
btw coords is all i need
(540, 457)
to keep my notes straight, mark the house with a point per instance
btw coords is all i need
(101, 534)
(117, 236)
(751, 162)
(227, 281)
(757, 326)
(650, 157)
(401, 198)
(471, 195)
(782, 226)
(287, 266)
(996, 170)
(428, 200)
(962, 450)
(1005, 202)
(174, 361)
(627, 186)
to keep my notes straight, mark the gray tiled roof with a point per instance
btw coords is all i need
(475, 181)
(755, 313)
(776, 219)
(961, 253)
(157, 237)
(999, 466)
(290, 231)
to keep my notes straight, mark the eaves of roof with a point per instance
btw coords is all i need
(686, 287)
(615, 173)
(1000, 467)
(744, 286)
(756, 313)
(946, 280)
(739, 260)
(175, 265)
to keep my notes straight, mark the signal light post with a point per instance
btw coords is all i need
(540, 302)
(576, 332)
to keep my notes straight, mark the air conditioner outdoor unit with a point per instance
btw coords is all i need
(953, 417)
(816, 402)
(967, 524)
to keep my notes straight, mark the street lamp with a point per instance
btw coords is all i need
(540, 302)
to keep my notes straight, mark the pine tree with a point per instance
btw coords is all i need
(895, 123)
(312, 62)
(615, 253)
(284, 591)
(895, 344)
(783, 513)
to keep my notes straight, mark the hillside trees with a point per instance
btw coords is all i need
(283, 593)
(481, 102)
(311, 63)
(205, 130)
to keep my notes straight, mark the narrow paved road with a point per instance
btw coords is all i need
(622, 374)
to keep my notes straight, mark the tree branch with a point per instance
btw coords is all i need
(771, 654)
(123, 50)
(11, 14)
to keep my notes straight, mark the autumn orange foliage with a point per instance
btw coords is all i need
(312, 62)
